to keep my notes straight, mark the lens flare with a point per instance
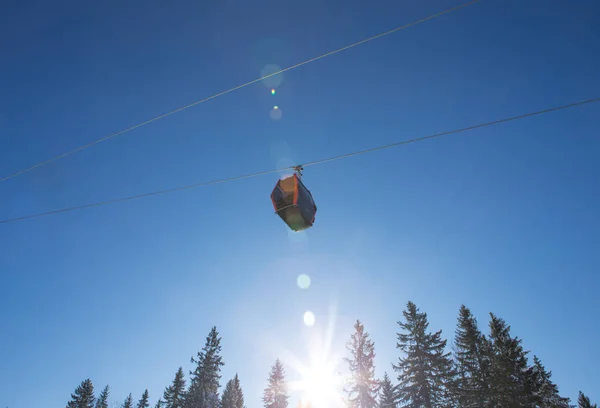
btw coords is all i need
(273, 74)
(303, 281)
(309, 318)
(273, 91)
(276, 113)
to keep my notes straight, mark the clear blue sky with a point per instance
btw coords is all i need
(503, 219)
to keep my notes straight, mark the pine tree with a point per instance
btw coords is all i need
(508, 368)
(128, 403)
(228, 398)
(426, 372)
(387, 396)
(275, 395)
(84, 396)
(541, 392)
(239, 393)
(472, 357)
(174, 394)
(159, 403)
(584, 402)
(362, 387)
(204, 383)
(102, 401)
(143, 402)
(233, 396)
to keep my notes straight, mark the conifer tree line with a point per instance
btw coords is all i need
(482, 371)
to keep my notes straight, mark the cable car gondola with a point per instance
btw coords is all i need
(293, 202)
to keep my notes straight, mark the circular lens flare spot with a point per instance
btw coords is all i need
(273, 91)
(309, 318)
(273, 74)
(275, 113)
(303, 281)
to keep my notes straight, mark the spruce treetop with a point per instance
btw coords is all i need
(143, 402)
(584, 401)
(425, 372)
(387, 397)
(276, 393)
(362, 386)
(83, 396)
(102, 401)
(128, 403)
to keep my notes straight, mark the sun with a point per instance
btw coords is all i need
(319, 381)
(319, 387)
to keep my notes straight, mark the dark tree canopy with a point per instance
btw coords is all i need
(128, 403)
(472, 360)
(584, 402)
(489, 370)
(205, 379)
(144, 401)
(233, 396)
(102, 401)
(425, 371)
(174, 395)
(83, 396)
(540, 390)
(387, 396)
(509, 366)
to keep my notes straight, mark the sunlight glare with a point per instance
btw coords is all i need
(319, 384)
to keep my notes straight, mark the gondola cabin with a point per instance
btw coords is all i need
(294, 203)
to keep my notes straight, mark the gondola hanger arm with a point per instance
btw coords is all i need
(299, 169)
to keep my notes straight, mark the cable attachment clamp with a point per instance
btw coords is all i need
(298, 169)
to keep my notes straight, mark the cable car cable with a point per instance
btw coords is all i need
(360, 152)
(63, 155)
(436, 135)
